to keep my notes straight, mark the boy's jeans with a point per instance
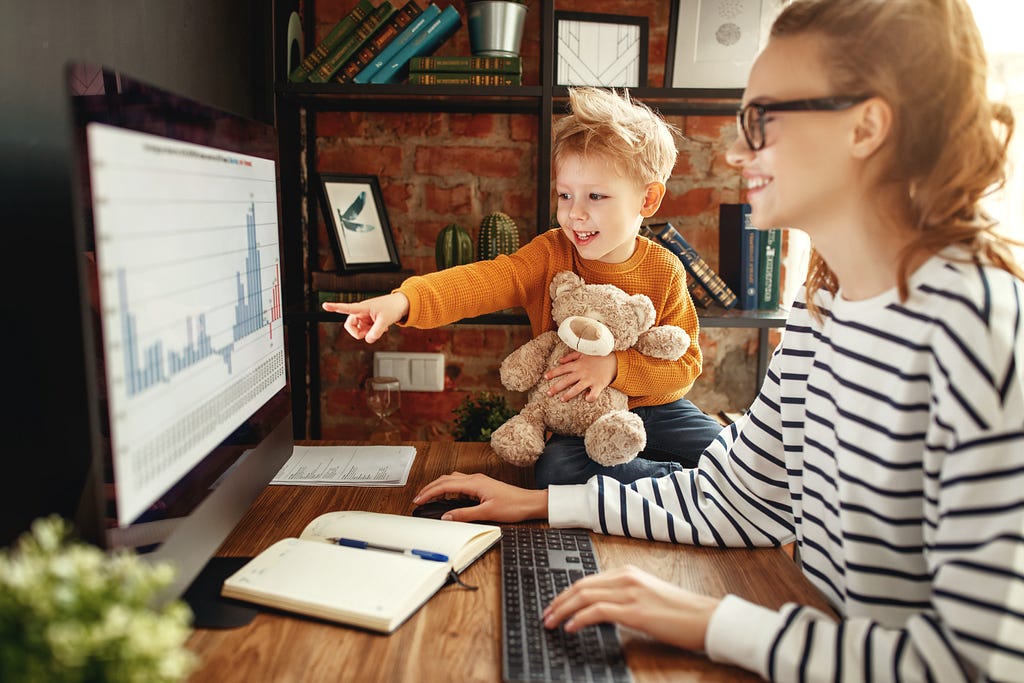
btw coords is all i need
(677, 434)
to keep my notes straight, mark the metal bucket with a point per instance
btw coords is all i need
(496, 27)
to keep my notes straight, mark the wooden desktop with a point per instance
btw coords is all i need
(456, 636)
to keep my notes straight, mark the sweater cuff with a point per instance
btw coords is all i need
(569, 506)
(741, 633)
(413, 295)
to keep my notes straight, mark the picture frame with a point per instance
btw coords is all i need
(583, 56)
(715, 42)
(358, 223)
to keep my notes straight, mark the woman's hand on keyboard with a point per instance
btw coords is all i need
(499, 502)
(631, 597)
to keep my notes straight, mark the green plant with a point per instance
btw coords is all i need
(480, 414)
(70, 612)
(498, 235)
(454, 247)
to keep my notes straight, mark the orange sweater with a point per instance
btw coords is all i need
(522, 280)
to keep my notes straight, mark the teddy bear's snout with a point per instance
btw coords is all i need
(586, 335)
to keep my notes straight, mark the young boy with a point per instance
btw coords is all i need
(612, 157)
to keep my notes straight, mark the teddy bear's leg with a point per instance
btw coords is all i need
(520, 440)
(615, 438)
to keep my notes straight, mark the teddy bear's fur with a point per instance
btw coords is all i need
(596, 320)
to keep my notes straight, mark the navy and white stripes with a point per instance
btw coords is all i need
(888, 440)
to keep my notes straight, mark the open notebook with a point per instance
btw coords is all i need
(365, 587)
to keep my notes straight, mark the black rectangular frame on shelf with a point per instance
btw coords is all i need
(358, 223)
(581, 49)
(708, 51)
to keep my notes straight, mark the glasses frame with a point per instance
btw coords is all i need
(834, 103)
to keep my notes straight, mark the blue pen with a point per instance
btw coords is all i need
(425, 554)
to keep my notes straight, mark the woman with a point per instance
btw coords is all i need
(888, 438)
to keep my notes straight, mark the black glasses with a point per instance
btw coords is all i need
(750, 119)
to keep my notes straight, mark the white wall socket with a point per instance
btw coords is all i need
(415, 371)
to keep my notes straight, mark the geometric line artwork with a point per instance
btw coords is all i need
(602, 54)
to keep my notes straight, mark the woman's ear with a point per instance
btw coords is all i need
(872, 127)
(653, 194)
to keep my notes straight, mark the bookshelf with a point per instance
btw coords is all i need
(297, 105)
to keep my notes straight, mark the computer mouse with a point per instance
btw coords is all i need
(435, 508)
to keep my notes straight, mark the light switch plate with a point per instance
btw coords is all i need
(415, 371)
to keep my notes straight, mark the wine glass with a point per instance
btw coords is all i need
(384, 397)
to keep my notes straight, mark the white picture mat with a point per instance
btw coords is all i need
(718, 40)
(597, 53)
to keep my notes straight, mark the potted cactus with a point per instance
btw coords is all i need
(454, 247)
(498, 235)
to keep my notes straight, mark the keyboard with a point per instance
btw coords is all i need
(536, 565)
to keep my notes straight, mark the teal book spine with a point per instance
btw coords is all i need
(422, 21)
(423, 44)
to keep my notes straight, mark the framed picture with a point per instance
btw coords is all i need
(716, 41)
(607, 50)
(357, 223)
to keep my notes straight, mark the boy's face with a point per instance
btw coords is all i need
(598, 209)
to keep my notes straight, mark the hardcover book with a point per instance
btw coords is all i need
(770, 268)
(398, 22)
(695, 265)
(423, 44)
(453, 78)
(739, 253)
(467, 64)
(348, 47)
(338, 33)
(385, 568)
(391, 49)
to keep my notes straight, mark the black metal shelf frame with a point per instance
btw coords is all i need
(296, 109)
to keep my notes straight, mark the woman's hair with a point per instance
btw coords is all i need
(635, 139)
(926, 59)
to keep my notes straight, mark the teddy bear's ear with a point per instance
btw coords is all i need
(644, 310)
(564, 281)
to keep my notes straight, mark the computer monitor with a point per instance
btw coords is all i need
(186, 364)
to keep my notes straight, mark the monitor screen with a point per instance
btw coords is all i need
(181, 268)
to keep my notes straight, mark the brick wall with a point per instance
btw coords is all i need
(436, 169)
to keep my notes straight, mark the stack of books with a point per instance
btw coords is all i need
(466, 70)
(374, 44)
(705, 286)
(749, 259)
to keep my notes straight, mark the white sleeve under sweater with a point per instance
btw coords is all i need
(888, 440)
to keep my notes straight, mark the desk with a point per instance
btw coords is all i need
(456, 636)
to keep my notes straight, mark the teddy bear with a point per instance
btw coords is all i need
(595, 320)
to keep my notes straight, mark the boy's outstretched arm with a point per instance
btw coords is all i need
(370, 319)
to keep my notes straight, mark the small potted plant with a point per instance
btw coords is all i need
(496, 27)
(71, 612)
(479, 415)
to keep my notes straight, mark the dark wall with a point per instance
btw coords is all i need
(215, 51)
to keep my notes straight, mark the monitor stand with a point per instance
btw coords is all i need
(209, 608)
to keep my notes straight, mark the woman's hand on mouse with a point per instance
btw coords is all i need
(499, 502)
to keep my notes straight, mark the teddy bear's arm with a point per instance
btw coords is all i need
(524, 367)
(668, 342)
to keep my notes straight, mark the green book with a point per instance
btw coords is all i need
(452, 78)
(337, 34)
(348, 47)
(770, 269)
(467, 64)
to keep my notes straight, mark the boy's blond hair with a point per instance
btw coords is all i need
(634, 138)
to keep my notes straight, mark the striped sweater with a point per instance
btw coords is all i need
(888, 440)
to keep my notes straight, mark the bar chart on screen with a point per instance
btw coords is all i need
(187, 261)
